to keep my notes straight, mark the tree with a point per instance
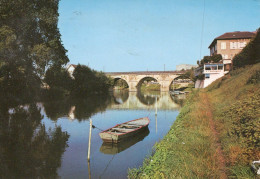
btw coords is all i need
(210, 59)
(29, 44)
(88, 81)
(250, 54)
(58, 77)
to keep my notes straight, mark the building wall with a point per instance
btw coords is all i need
(199, 84)
(213, 77)
(228, 52)
(185, 67)
(71, 70)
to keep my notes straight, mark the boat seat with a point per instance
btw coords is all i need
(121, 129)
(130, 126)
(117, 132)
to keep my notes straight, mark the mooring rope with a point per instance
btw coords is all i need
(93, 126)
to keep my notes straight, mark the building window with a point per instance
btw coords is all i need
(207, 75)
(223, 45)
(214, 67)
(241, 45)
(207, 67)
(224, 56)
(233, 45)
(220, 67)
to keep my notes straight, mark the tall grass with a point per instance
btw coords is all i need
(237, 115)
(188, 150)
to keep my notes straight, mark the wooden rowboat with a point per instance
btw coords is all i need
(114, 148)
(125, 130)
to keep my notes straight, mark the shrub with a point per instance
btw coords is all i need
(250, 54)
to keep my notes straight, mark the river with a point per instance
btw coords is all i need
(50, 139)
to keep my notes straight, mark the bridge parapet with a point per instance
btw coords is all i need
(145, 72)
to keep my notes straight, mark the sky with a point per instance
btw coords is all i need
(153, 35)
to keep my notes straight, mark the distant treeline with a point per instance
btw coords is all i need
(31, 53)
(83, 82)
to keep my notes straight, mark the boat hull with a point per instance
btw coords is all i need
(116, 137)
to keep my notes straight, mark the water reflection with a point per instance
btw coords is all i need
(27, 148)
(148, 98)
(120, 96)
(83, 109)
(114, 148)
(80, 109)
(33, 138)
(146, 101)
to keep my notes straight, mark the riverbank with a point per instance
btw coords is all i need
(150, 87)
(216, 134)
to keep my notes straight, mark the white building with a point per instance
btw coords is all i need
(71, 68)
(185, 67)
(227, 45)
(211, 72)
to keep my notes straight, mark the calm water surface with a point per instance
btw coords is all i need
(51, 139)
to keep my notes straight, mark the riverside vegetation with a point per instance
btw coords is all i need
(217, 132)
(32, 56)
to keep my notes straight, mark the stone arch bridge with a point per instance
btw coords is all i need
(133, 79)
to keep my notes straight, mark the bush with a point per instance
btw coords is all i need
(250, 54)
(58, 78)
(87, 81)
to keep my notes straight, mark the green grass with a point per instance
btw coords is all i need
(189, 149)
(150, 87)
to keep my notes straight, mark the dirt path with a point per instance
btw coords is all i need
(219, 153)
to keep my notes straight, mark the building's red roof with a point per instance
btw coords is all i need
(234, 35)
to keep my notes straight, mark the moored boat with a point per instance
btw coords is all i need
(125, 130)
(114, 148)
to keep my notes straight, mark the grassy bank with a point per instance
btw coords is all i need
(150, 87)
(216, 134)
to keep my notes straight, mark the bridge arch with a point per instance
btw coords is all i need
(173, 81)
(181, 81)
(121, 81)
(148, 79)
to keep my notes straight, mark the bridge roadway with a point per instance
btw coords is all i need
(134, 79)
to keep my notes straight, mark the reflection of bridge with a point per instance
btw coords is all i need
(164, 102)
(133, 79)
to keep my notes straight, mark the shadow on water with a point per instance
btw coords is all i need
(27, 148)
(114, 148)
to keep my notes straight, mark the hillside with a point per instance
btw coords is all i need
(216, 134)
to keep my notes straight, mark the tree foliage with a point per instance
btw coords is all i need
(210, 59)
(88, 81)
(189, 74)
(250, 54)
(58, 77)
(29, 44)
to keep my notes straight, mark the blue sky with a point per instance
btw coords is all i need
(140, 35)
